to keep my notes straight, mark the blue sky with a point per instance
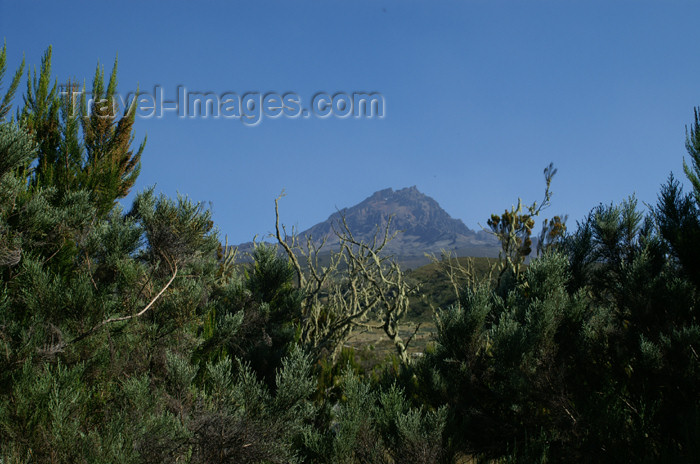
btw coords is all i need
(479, 97)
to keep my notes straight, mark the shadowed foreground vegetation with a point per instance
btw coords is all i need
(132, 336)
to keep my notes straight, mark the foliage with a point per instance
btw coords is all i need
(590, 354)
(513, 229)
(133, 336)
(83, 145)
(361, 287)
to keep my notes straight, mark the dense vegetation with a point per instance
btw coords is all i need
(133, 337)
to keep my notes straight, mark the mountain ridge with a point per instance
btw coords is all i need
(421, 226)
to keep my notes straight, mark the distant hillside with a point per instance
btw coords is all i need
(422, 227)
(436, 290)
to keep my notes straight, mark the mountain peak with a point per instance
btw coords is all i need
(422, 226)
(389, 192)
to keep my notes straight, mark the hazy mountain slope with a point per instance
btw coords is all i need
(422, 227)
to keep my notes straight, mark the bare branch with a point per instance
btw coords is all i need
(359, 288)
(295, 262)
(132, 316)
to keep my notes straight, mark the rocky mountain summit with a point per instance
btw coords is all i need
(422, 226)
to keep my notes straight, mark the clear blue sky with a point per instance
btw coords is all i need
(480, 96)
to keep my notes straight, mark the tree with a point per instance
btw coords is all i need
(81, 145)
(6, 103)
(513, 229)
(360, 287)
(591, 354)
